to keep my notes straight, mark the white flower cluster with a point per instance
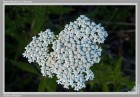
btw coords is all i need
(75, 51)
(38, 50)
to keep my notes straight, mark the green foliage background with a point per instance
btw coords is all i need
(114, 73)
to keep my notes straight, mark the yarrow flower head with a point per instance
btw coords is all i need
(75, 51)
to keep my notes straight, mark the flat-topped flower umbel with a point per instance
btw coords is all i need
(75, 51)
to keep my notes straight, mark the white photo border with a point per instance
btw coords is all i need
(77, 93)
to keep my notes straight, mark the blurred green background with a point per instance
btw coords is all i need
(114, 73)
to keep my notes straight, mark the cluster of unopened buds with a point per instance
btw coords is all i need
(75, 50)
